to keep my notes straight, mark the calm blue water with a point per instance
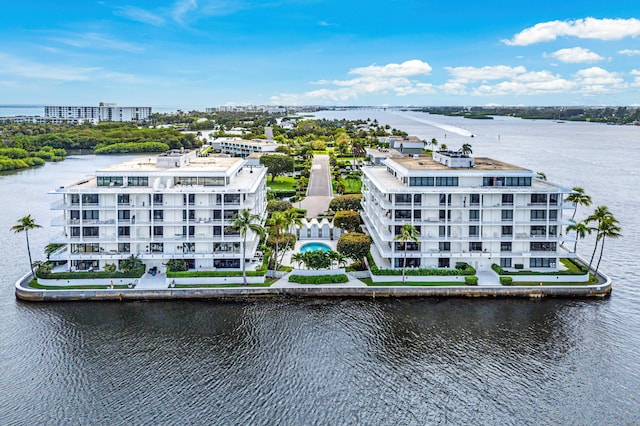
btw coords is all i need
(314, 246)
(295, 362)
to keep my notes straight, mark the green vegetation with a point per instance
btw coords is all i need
(284, 183)
(133, 273)
(26, 224)
(346, 202)
(35, 284)
(354, 245)
(319, 279)
(265, 284)
(128, 147)
(212, 274)
(348, 220)
(572, 268)
(369, 282)
(460, 269)
(471, 280)
(277, 165)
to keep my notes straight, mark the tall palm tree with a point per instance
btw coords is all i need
(434, 144)
(408, 233)
(608, 229)
(299, 258)
(26, 224)
(466, 149)
(579, 198)
(276, 223)
(582, 229)
(245, 221)
(599, 214)
(289, 222)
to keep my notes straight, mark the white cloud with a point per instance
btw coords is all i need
(629, 52)
(406, 69)
(596, 80)
(97, 41)
(140, 15)
(576, 55)
(468, 74)
(371, 80)
(181, 8)
(588, 28)
(636, 80)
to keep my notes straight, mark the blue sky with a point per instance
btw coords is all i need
(199, 53)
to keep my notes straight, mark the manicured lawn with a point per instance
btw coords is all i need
(352, 186)
(34, 284)
(282, 183)
(266, 284)
(370, 283)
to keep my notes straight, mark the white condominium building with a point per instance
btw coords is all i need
(474, 210)
(175, 206)
(103, 112)
(242, 147)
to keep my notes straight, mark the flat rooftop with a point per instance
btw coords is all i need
(212, 163)
(425, 162)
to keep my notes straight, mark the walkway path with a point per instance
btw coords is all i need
(319, 192)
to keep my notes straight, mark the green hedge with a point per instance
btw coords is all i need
(209, 274)
(134, 273)
(318, 279)
(420, 272)
(471, 280)
(573, 268)
(506, 280)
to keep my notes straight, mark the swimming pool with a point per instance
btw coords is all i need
(314, 246)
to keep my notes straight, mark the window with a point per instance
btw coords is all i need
(474, 199)
(230, 214)
(232, 198)
(505, 246)
(506, 181)
(158, 198)
(537, 215)
(507, 215)
(156, 247)
(403, 198)
(226, 263)
(211, 181)
(403, 214)
(158, 215)
(124, 214)
(444, 246)
(124, 231)
(189, 199)
(553, 231)
(505, 262)
(507, 231)
(158, 231)
(474, 230)
(538, 231)
(421, 181)
(188, 247)
(507, 199)
(124, 248)
(90, 231)
(446, 181)
(90, 214)
(538, 198)
(89, 198)
(137, 181)
(417, 214)
(123, 198)
(75, 214)
(217, 214)
(74, 231)
(542, 262)
(542, 246)
(411, 246)
(411, 262)
(443, 262)
(553, 199)
(417, 198)
(553, 215)
(217, 230)
(441, 231)
(445, 199)
(75, 199)
(474, 215)
(109, 181)
(475, 246)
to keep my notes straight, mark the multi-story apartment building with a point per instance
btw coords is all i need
(243, 147)
(103, 112)
(175, 206)
(474, 210)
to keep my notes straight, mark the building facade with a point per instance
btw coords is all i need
(474, 210)
(242, 147)
(103, 112)
(175, 206)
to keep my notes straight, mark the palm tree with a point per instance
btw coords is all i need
(338, 257)
(541, 175)
(299, 258)
(434, 144)
(26, 224)
(582, 229)
(276, 222)
(599, 214)
(578, 197)
(245, 221)
(443, 147)
(608, 229)
(408, 233)
(466, 149)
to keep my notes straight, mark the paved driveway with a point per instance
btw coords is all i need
(319, 192)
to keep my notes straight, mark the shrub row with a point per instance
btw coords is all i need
(575, 270)
(506, 280)
(134, 273)
(471, 280)
(318, 279)
(466, 270)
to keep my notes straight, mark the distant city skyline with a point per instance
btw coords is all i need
(203, 53)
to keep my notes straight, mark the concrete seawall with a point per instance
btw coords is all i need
(240, 293)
